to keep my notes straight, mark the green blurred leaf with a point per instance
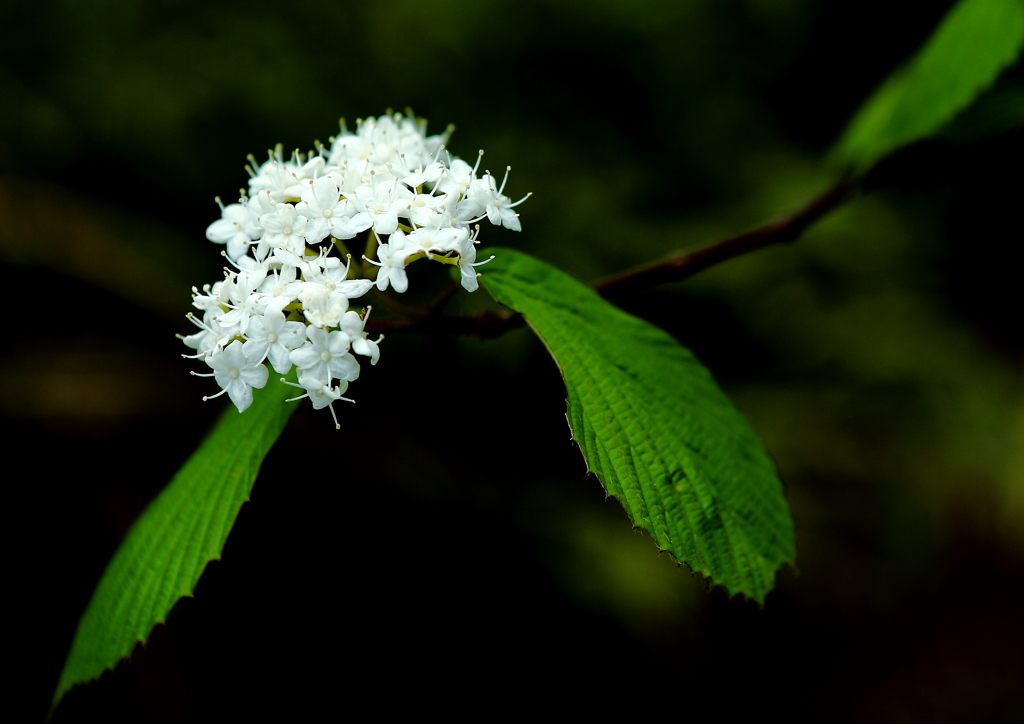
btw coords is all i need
(963, 57)
(183, 529)
(999, 110)
(656, 429)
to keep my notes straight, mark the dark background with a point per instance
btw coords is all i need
(445, 551)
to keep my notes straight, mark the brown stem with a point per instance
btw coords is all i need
(673, 269)
(686, 264)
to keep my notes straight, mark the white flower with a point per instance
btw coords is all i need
(325, 356)
(210, 298)
(244, 301)
(468, 262)
(279, 180)
(239, 286)
(271, 336)
(392, 262)
(255, 269)
(353, 325)
(321, 307)
(381, 204)
(351, 150)
(459, 177)
(311, 170)
(320, 394)
(424, 209)
(235, 375)
(439, 239)
(469, 275)
(285, 229)
(347, 177)
(484, 199)
(211, 335)
(429, 174)
(388, 177)
(329, 213)
(237, 228)
(281, 285)
(327, 273)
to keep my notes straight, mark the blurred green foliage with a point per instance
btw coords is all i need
(967, 52)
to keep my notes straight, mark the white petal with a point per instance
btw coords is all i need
(241, 394)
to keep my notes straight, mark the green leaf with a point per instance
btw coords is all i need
(973, 43)
(998, 110)
(656, 429)
(183, 529)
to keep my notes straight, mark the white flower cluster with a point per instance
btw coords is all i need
(287, 299)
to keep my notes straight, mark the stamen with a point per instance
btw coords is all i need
(195, 320)
(481, 263)
(509, 206)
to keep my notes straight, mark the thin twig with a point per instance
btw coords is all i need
(675, 268)
(686, 264)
